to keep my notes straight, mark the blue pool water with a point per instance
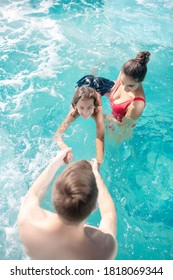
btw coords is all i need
(45, 47)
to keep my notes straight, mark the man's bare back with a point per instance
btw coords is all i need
(51, 239)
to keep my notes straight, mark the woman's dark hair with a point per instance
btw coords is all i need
(85, 92)
(137, 68)
(75, 192)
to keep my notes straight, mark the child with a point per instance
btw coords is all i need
(85, 103)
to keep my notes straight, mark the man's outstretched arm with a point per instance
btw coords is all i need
(106, 205)
(30, 207)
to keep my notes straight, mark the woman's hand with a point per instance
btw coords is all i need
(110, 118)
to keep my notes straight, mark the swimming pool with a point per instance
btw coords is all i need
(46, 46)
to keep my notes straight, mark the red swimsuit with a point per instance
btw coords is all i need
(119, 110)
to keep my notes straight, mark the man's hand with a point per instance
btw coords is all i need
(68, 157)
(62, 156)
(95, 165)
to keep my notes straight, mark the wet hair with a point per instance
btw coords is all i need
(75, 192)
(137, 68)
(85, 92)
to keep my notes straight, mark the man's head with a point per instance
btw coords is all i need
(75, 192)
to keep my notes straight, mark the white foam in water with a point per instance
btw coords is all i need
(2, 106)
(140, 1)
(50, 59)
(12, 82)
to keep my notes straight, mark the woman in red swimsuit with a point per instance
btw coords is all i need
(126, 95)
(127, 98)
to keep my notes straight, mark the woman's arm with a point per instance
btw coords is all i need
(135, 110)
(126, 121)
(110, 119)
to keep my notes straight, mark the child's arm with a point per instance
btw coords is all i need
(58, 135)
(99, 135)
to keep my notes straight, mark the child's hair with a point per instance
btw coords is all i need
(75, 192)
(85, 92)
(137, 68)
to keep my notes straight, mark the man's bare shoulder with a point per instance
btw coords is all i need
(103, 243)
